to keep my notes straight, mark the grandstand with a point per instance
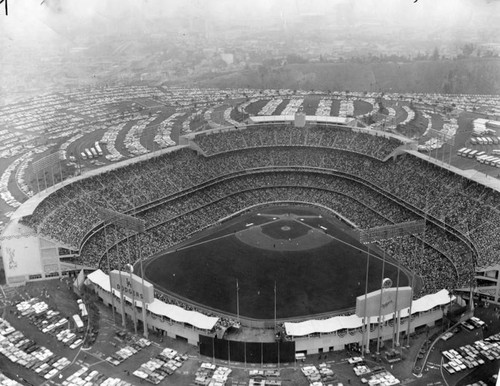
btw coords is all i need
(371, 178)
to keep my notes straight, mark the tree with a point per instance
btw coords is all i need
(295, 59)
(435, 54)
(468, 49)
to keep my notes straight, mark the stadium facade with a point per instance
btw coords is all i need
(34, 249)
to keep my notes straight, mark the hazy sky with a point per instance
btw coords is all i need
(38, 19)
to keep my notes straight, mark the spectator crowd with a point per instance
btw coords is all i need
(336, 137)
(179, 193)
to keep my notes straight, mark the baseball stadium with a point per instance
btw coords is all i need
(270, 232)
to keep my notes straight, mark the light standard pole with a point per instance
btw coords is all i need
(450, 294)
(396, 315)
(380, 326)
(144, 304)
(237, 300)
(409, 311)
(122, 297)
(109, 271)
(128, 223)
(130, 272)
(365, 343)
(275, 317)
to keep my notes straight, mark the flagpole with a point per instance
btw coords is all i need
(380, 305)
(275, 307)
(365, 344)
(122, 299)
(237, 300)
(409, 311)
(413, 273)
(395, 311)
(109, 271)
(144, 305)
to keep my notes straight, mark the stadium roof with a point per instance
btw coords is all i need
(261, 120)
(309, 118)
(336, 323)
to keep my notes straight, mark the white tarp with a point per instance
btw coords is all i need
(179, 314)
(160, 308)
(336, 323)
(428, 302)
(323, 325)
(425, 303)
(101, 279)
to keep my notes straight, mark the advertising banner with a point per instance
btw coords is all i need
(374, 307)
(132, 286)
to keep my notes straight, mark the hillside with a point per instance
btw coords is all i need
(468, 76)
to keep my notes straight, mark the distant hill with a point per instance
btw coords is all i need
(467, 76)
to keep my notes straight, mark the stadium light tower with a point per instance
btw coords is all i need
(413, 276)
(444, 138)
(45, 164)
(275, 314)
(365, 342)
(238, 300)
(130, 269)
(382, 233)
(109, 270)
(144, 304)
(385, 283)
(376, 305)
(131, 223)
(395, 338)
(108, 219)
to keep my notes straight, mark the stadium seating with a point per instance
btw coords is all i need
(285, 135)
(185, 192)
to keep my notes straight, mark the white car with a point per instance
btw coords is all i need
(61, 322)
(76, 343)
(50, 327)
(51, 373)
(68, 337)
(43, 366)
(61, 335)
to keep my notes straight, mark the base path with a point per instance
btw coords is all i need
(284, 232)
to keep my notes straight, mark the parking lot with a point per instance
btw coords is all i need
(119, 356)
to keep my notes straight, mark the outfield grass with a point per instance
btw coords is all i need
(323, 279)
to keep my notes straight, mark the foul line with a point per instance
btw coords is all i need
(218, 238)
(201, 243)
